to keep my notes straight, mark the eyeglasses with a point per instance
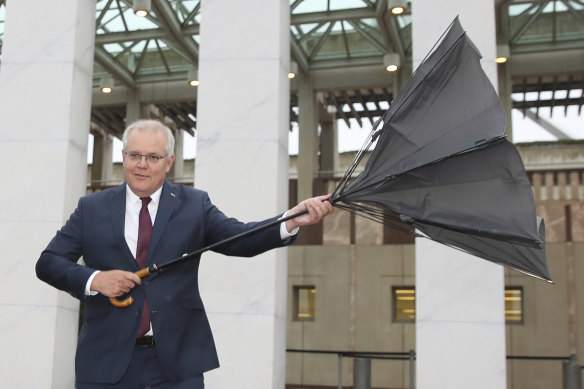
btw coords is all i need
(150, 158)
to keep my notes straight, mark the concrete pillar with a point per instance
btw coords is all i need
(307, 162)
(179, 162)
(242, 161)
(133, 111)
(505, 84)
(505, 90)
(45, 102)
(102, 167)
(460, 322)
(329, 144)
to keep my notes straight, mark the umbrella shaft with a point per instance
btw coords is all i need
(194, 254)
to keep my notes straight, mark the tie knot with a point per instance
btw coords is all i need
(145, 201)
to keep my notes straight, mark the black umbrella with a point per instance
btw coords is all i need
(442, 164)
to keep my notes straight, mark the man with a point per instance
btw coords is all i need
(164, 339)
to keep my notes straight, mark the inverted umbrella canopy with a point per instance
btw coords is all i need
(442, 164)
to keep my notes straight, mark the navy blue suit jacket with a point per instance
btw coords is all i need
(186, 221)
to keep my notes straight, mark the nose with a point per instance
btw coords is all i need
(142, 162)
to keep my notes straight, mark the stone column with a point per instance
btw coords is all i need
(242, 161)
(133, 107)
(329, 144)
(460, 322)
(102, 167)
(307, 161)
(45, 102)
(179, 162)
(505, 83)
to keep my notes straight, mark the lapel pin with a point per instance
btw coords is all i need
(172, 194)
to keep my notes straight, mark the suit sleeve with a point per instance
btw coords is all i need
(219, 227)
(58, 265)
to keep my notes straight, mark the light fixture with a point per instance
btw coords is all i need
(193, 77)
(293, 70)
(503, 53)
(391, 61)
(396, 7)
(142, 7)
(106, 84)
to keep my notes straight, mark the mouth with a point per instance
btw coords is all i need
(140, 176)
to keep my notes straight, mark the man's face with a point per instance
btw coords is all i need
(145, 176)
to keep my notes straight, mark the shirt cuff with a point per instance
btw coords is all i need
(284, 234)
(88, 291)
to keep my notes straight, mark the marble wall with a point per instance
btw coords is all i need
(45, 101)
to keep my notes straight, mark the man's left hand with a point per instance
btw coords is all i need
(318, 207)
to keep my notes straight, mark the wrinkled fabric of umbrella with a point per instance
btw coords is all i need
(442, 164)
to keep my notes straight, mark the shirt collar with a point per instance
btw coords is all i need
(131, 197)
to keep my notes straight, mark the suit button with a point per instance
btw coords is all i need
(136, 313)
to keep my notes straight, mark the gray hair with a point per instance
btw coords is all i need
(153, 126)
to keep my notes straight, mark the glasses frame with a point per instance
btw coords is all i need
(137, 157)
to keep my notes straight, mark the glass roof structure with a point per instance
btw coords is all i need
(338, 37)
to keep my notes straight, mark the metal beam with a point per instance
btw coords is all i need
(549, 127)
(169, 21)
(540, 103)
(130, 36)
(381, 17)
(343, 63)
(332, 16)
(116, 69)
(298, 55)
(532, 18)
(543, 47)
(358, 27)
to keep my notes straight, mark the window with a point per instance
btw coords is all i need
(304, 302)
(404, 304)
(514, 305)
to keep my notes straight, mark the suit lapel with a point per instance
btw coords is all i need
(118, 215)
(168, 203)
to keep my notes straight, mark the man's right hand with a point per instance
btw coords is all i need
(114, 283)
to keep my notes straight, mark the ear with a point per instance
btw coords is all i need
(169, 162)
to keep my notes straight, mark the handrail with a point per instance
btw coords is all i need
(411, 356)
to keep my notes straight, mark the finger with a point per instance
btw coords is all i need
(311, 207)
(135, 279)
(325, 197)
(129, 285)
(329, 207)
(325, 205)
(315, 210)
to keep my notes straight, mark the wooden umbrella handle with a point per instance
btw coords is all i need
(130, 300)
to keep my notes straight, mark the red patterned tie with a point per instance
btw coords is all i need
(144, 233)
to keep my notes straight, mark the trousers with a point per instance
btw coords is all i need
(145, 372)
